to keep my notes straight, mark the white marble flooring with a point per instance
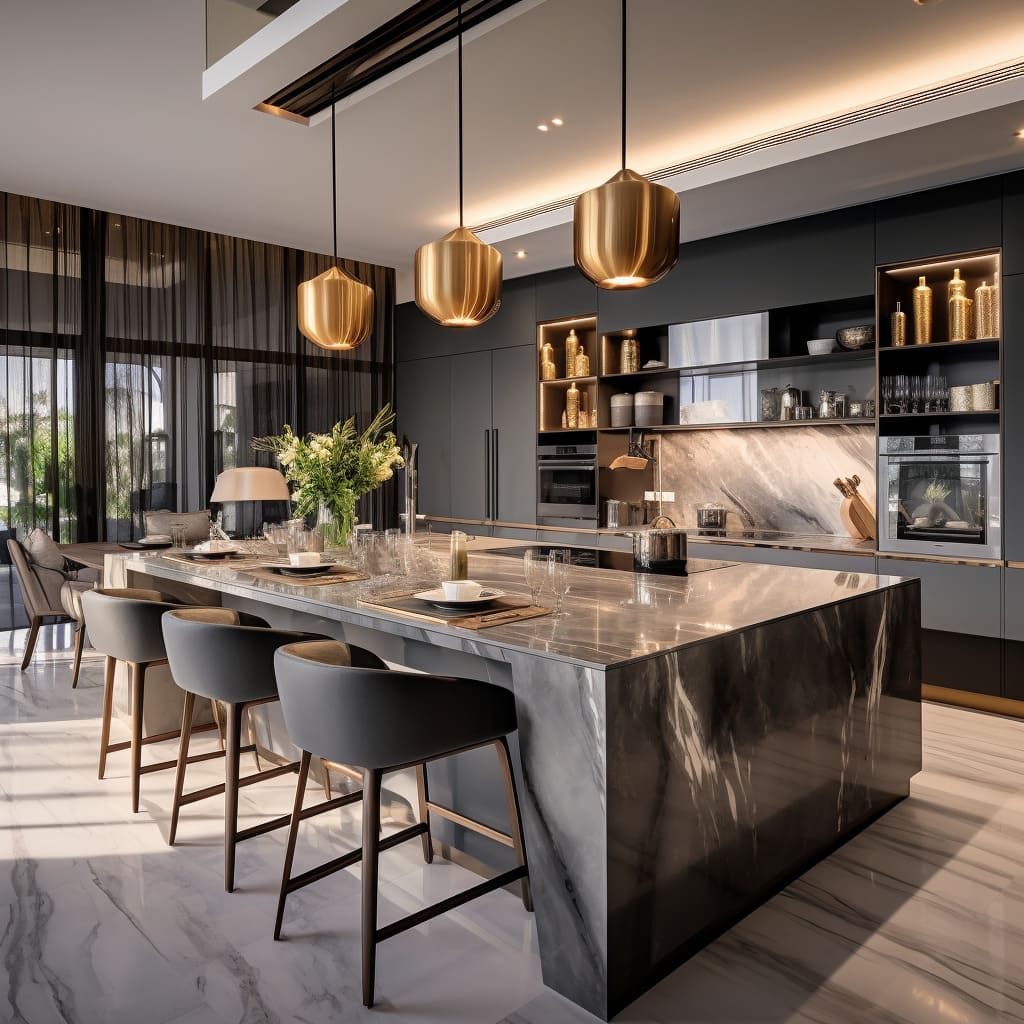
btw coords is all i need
(919, 919)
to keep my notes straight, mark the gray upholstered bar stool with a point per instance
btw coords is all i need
(124, 624)
(383, 721)
(226, 656)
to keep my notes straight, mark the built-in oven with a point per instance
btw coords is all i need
(567, 485)
(940, 495)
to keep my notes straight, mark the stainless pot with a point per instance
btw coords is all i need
(660, 551)
(712, 517)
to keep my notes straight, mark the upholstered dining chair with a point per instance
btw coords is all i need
(42, 573)
(383, 721)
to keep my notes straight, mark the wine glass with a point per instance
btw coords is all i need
(558, 574)
(535, 569)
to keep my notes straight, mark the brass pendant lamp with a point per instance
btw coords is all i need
(335, 310)
(458, 277)
(625, 233)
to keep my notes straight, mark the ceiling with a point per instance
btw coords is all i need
(109, 112)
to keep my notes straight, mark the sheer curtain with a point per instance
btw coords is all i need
(139, 359)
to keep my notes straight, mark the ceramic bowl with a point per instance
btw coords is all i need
(820, 346)
(853, 338)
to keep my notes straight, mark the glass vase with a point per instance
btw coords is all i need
(334, 530)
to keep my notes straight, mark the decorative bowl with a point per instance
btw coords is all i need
(820, 346)
(853, 338)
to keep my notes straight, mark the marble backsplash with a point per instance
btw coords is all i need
(773, 479)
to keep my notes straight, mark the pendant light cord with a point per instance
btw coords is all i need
(623, 84)
(461, 219)
(334, 177)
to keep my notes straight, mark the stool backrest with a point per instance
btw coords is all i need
(124, 623)
(222, 653)
(379, 718)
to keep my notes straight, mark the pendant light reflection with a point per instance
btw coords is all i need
(335, 311)
(625, 233)
(458, 277)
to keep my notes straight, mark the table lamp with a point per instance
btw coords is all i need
(250, 483)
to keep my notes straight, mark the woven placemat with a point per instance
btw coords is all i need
(338, 574)
(503, 611)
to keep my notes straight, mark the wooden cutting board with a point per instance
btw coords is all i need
(855, 513)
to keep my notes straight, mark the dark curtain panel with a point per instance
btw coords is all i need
(40, 325)
(358, 383)
(140, 359)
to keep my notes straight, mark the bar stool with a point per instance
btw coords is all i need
(227, 656)
(124, 624)
(383, 721)
(71, 601)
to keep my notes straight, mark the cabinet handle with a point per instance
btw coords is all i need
(487, 474)
(494, 471)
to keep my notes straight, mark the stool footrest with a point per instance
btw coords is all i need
(248, 780)
(470, 823)
(436, 909)
(262, 827)
(160, 737)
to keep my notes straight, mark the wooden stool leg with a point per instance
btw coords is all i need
(293, 835)
(30, 643)
(137, 674)
(514, 815)
(423, 793)
(79, 644)
(252, 739)
(371, 853)
(325, 778)
(108, 707)
(231, 768)
(179, 771)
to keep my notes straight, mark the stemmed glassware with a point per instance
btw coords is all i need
(535, 569)
(902, 394)
(558, 574)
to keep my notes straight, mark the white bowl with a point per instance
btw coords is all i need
(821, 346)
(461, 590)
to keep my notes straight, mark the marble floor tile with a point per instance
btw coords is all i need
(919, 919)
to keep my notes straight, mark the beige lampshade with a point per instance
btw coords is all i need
(250, 483)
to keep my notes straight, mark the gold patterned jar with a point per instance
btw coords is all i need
(959, 309)
(898, 326)
(985, 311)
(572, 407)
(582, 363)
(629, 356)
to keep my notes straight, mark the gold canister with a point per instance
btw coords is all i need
(922, 313)
(959, 308)
(629, 356)
(985, 311)
(898, 327)
(548, 370)
(572, 407)
(582, 363)
(572, 348)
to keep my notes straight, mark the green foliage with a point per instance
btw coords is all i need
(335, 470)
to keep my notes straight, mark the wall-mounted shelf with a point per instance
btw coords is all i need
(970, 414)
(778, 362)
(860, 421)
(566, 381)
(975, 346)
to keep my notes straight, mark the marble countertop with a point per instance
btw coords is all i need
(611, 617)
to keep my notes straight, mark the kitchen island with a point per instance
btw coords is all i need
(687, 744)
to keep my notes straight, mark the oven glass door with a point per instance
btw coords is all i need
(940, 500)
(567, 489)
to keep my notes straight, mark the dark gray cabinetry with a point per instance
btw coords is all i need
(954, 598)
(564, 293)
(960, 218)
(1013, 419)
(514, 437)
(474, 416)
(813, 259)
(1013, 630)
(470, 405)
(423, 388)
(1013, 224)
(783, 556)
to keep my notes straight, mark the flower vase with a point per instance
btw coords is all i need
(334, 531)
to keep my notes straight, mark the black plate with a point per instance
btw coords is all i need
(303, 571)
(211, 556)
(135, 545)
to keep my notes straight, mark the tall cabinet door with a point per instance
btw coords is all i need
(1013, 418)
(470, 408)
(424, 416)
(514, 419)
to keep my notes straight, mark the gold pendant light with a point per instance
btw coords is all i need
(335, 310)
(458, 277)
(625, 233)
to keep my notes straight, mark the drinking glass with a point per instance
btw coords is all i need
(278, 537)
(558, 574)
(298, 539)
(177, 535)
(535, 568)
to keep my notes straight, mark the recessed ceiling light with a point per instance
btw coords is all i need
(926, 3)
(557, 122)
(1020, 134)
(520, 254)
(542, 127)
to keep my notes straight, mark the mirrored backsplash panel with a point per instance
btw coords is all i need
(767, 479)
